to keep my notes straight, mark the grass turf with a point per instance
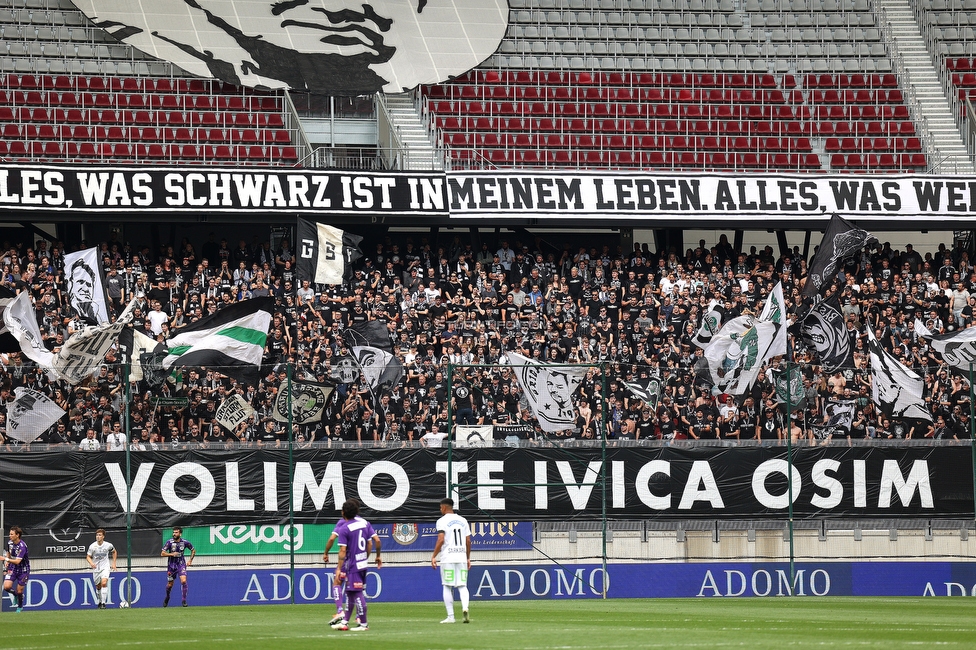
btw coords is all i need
(752, 623)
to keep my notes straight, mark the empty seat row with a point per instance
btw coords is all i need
(12, 130)
(631, 110)
(914, 161)
(833, 145)
(122, 152)
(143, 118)
(617, 78)
(138, 101)
(612, 94)
(628, 159)
(634, 142)
(120, 84)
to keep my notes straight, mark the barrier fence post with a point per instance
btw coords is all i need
(291, 486)
(603, 470)
(972, 434)
(789, 469)
(128, 481)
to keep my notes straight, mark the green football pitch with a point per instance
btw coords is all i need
(686, 623)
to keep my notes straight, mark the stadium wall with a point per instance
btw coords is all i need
(526, 582)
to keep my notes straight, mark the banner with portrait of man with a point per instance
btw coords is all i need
(86, 294)
(31, 414)
(549, 391)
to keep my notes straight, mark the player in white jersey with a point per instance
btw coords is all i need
(454, 548)
(102, 558)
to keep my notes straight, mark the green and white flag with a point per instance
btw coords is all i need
(230, 342)
(774, 311)
(737, 353)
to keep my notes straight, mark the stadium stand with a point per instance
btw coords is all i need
(71, 93)
(446, 303)
(668, 84)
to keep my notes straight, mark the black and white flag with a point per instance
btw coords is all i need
(823, 329)
(308, 402)
(841, 240)
(82, 355)
(711, 323)
(21, 322)
(86, 294)
(379, 367)
(134, 344)
(774, 311)
(958, 348)
(232, 411)
(789, 388)
(344, 369)
(8, 342)
(372, 333)
(839, 416)
(31, 414)
(647, 390)
(896, 389)
(549, 391)
(325, 253)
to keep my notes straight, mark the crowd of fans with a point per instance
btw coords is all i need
(630, 313)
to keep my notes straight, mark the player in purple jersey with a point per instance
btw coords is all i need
(338, 585)
(356, 540)
(16, 566)
(174, 549)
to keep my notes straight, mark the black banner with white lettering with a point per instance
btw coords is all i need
(87, 489)
(129, 190)
(800, 200)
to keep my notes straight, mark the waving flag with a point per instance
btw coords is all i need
(648, 391)
(895, 388)
(958, 348)
(8, 342)
(308, 402)
(31, 414)
(231, 341)
(774, 311)
(711, 323)
(841, 240)
(325, 253)
(737, 353)
(21, 322)
(823, 329)
(379, 367)
(549, 391)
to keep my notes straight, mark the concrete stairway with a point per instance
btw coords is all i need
(418, 151)
(951, 154)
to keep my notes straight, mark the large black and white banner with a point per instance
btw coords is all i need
(490, 194)
(74, 488)
(824, 330)
(130, 190)
(31, 414)
(325, 253)
(707, 196)
(86, 293)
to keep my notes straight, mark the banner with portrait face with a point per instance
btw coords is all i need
(86, 294)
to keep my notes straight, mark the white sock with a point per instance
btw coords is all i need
(464, 597)
(449, 600)
(104, 591)
(98, 595)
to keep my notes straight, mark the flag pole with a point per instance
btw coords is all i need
(450, 432)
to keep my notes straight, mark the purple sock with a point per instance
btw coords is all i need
(337, 597)
(169, 588)
(184, 586)
(359, 598)
(20, 599)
